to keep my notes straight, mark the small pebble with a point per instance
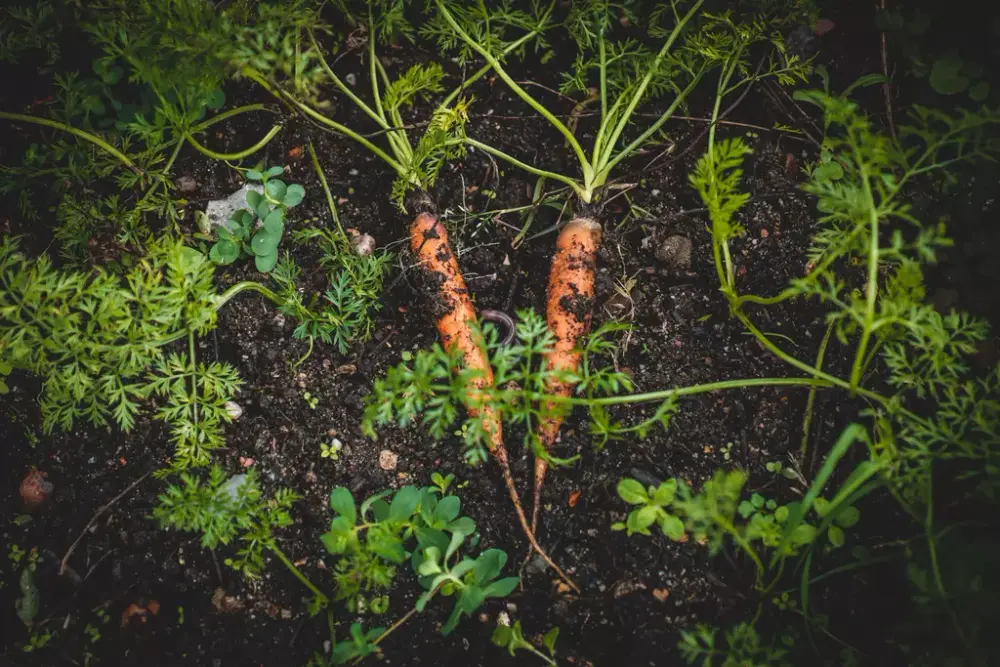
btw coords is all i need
(186, 184)
(675, 252)
(234, 410)
(387, 460)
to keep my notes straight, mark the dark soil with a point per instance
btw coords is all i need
(637, 592)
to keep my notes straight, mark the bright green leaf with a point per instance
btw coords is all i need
(672, 527)
(632, 492)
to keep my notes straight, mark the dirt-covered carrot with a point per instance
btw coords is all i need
(457, 326)
(568, 311)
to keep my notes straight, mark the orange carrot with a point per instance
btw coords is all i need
(457, 326)
(568, 312)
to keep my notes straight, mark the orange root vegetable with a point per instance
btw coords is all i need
(568, 312)
(457, 326)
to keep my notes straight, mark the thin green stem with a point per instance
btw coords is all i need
(225, 115)
(86, 136)
(640, 90)
(344, 88)
(801, 365)
(525, 166)
(323, 120)
(239, 155)
(166, 168)
(521, 92)
(247, 286)
(326, 189)
(610, 164)
(194, 379)
(810, 402)
(482, 71)
(298, 573)
(680, 392)
(871, 288)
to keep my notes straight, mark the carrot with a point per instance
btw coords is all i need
(457, 326)
(568, 312)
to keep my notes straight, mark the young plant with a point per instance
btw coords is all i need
(225, 508)
(256, 231)
(99, 341)
(512, 638)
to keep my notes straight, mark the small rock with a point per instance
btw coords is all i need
(186, 184)
(661, 594)
(34, 489)
(219, 210)
(351, 78)
(387, 460)
(234, 410)
(227, 604)
(363, 244)
(675, 252)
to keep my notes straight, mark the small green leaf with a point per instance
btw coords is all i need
(828, 171)
(274, 223)
(274, 171)
(224, 252)
(253, 175)
(821, 505)
(216, 99)
(447, 509)
(549, 640)
(263, 209)
(664, 494)
(488, 565)
(264, 243)
(641, 519)
(502, 636)
(781, 514)
(848, 516)
(979, 90)
(342, 502)
(295, 194)
(803, 534)
(266, 263)
(672, 527)
(745, 508)
(836, 534)
(757, 501)
(946, 75)
(275, 189)
(254, 199)
(632, 492)
(404, 503)
(501, 588)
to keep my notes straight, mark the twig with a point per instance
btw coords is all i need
(93, 520)
(887, 86)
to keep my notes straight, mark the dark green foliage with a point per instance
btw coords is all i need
(372, 541)
(96, 339)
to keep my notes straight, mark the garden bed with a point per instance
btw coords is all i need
(637, 592)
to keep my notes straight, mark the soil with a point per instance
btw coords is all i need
(637, 592)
